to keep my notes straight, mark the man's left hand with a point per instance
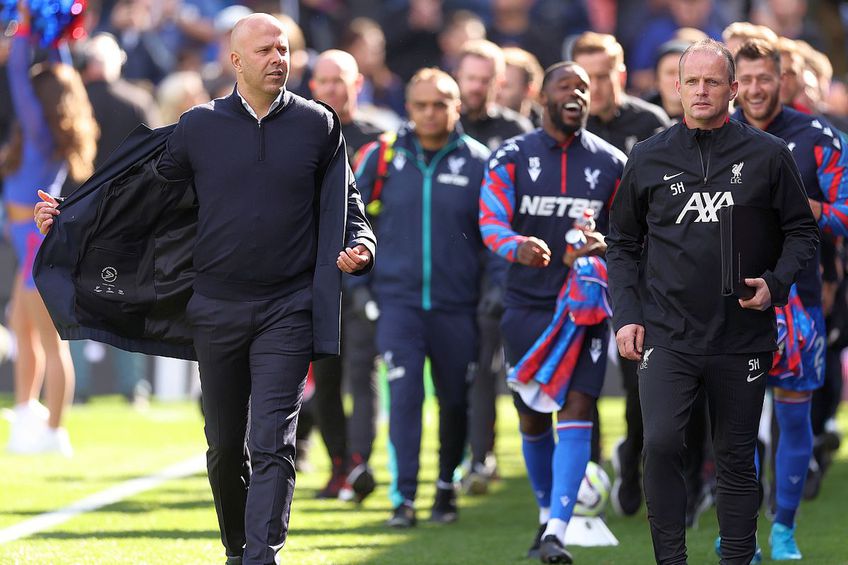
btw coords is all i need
(354, 259)
(596, 245)
(762, 295)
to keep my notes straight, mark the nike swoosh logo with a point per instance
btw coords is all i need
(752, 379)
(669, 177)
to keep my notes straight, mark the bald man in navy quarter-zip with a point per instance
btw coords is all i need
(257, 158)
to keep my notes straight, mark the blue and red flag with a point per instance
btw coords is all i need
(796, 332)
(543, 375)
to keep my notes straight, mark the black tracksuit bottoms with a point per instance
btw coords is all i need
(735, 384)
(252, 354)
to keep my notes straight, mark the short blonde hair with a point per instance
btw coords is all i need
(484, 49)
(746, 31)
(527, 63)
(590, 43)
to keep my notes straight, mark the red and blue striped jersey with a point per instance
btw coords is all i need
(536, 186)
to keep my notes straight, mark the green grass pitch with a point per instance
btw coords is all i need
(175, 523)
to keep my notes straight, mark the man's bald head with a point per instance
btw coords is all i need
(336, 81)
(342, 59)
(251, 26)
(260, 57)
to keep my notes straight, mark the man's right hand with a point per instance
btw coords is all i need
(630, 339)
(534, 252)
(45, 211)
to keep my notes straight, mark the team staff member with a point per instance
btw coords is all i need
(668, 310)
(427, 281)
(537, 185)
(266, 294)
(336, 81)
(817, 149)
(480, 74)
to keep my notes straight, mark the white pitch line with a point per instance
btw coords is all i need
(103, 498)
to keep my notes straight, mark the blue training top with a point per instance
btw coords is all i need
(39, 169)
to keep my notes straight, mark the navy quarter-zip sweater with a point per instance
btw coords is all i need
(257, 186)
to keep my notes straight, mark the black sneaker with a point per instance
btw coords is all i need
(403, 516)
(552, 551)
(361, 482)
(626, 495)
(444, 506)
(533, 552)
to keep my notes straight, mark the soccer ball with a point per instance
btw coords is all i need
(594, 491)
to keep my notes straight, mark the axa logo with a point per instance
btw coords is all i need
(705, 205)
(560, 206)
(534, 167)
(592, 177)
(736, 171)
(455, 164)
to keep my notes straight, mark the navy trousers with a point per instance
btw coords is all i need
(252, 354)
(405, 336)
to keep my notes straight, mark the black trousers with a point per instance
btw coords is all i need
(257, 354)
(343, 436)
(490, 372)
(669, 382)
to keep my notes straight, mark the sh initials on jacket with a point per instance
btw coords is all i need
(754, 365)
(676, 188)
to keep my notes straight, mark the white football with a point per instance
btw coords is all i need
(594, 491)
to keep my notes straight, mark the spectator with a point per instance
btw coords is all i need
(513, 26)
(522, 84)
(336, 81)
(792, 69)
(616, 117)
(299, 70)
(412, 36)
(666, 72)
(480, 75)
(118, 105)
(160, 38)
(463, 26)
(738, 33)
(382, 88)
(699, 14)
(178, 93)
(787, 18)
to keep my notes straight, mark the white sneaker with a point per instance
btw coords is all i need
(55, 440)
(29, 423)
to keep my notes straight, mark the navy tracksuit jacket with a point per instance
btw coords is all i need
(427, 285)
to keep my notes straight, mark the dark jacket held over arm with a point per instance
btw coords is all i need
(216, 216)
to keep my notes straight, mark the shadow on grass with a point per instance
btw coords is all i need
(127, 534)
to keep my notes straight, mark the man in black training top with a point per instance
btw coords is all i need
(664, 263)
